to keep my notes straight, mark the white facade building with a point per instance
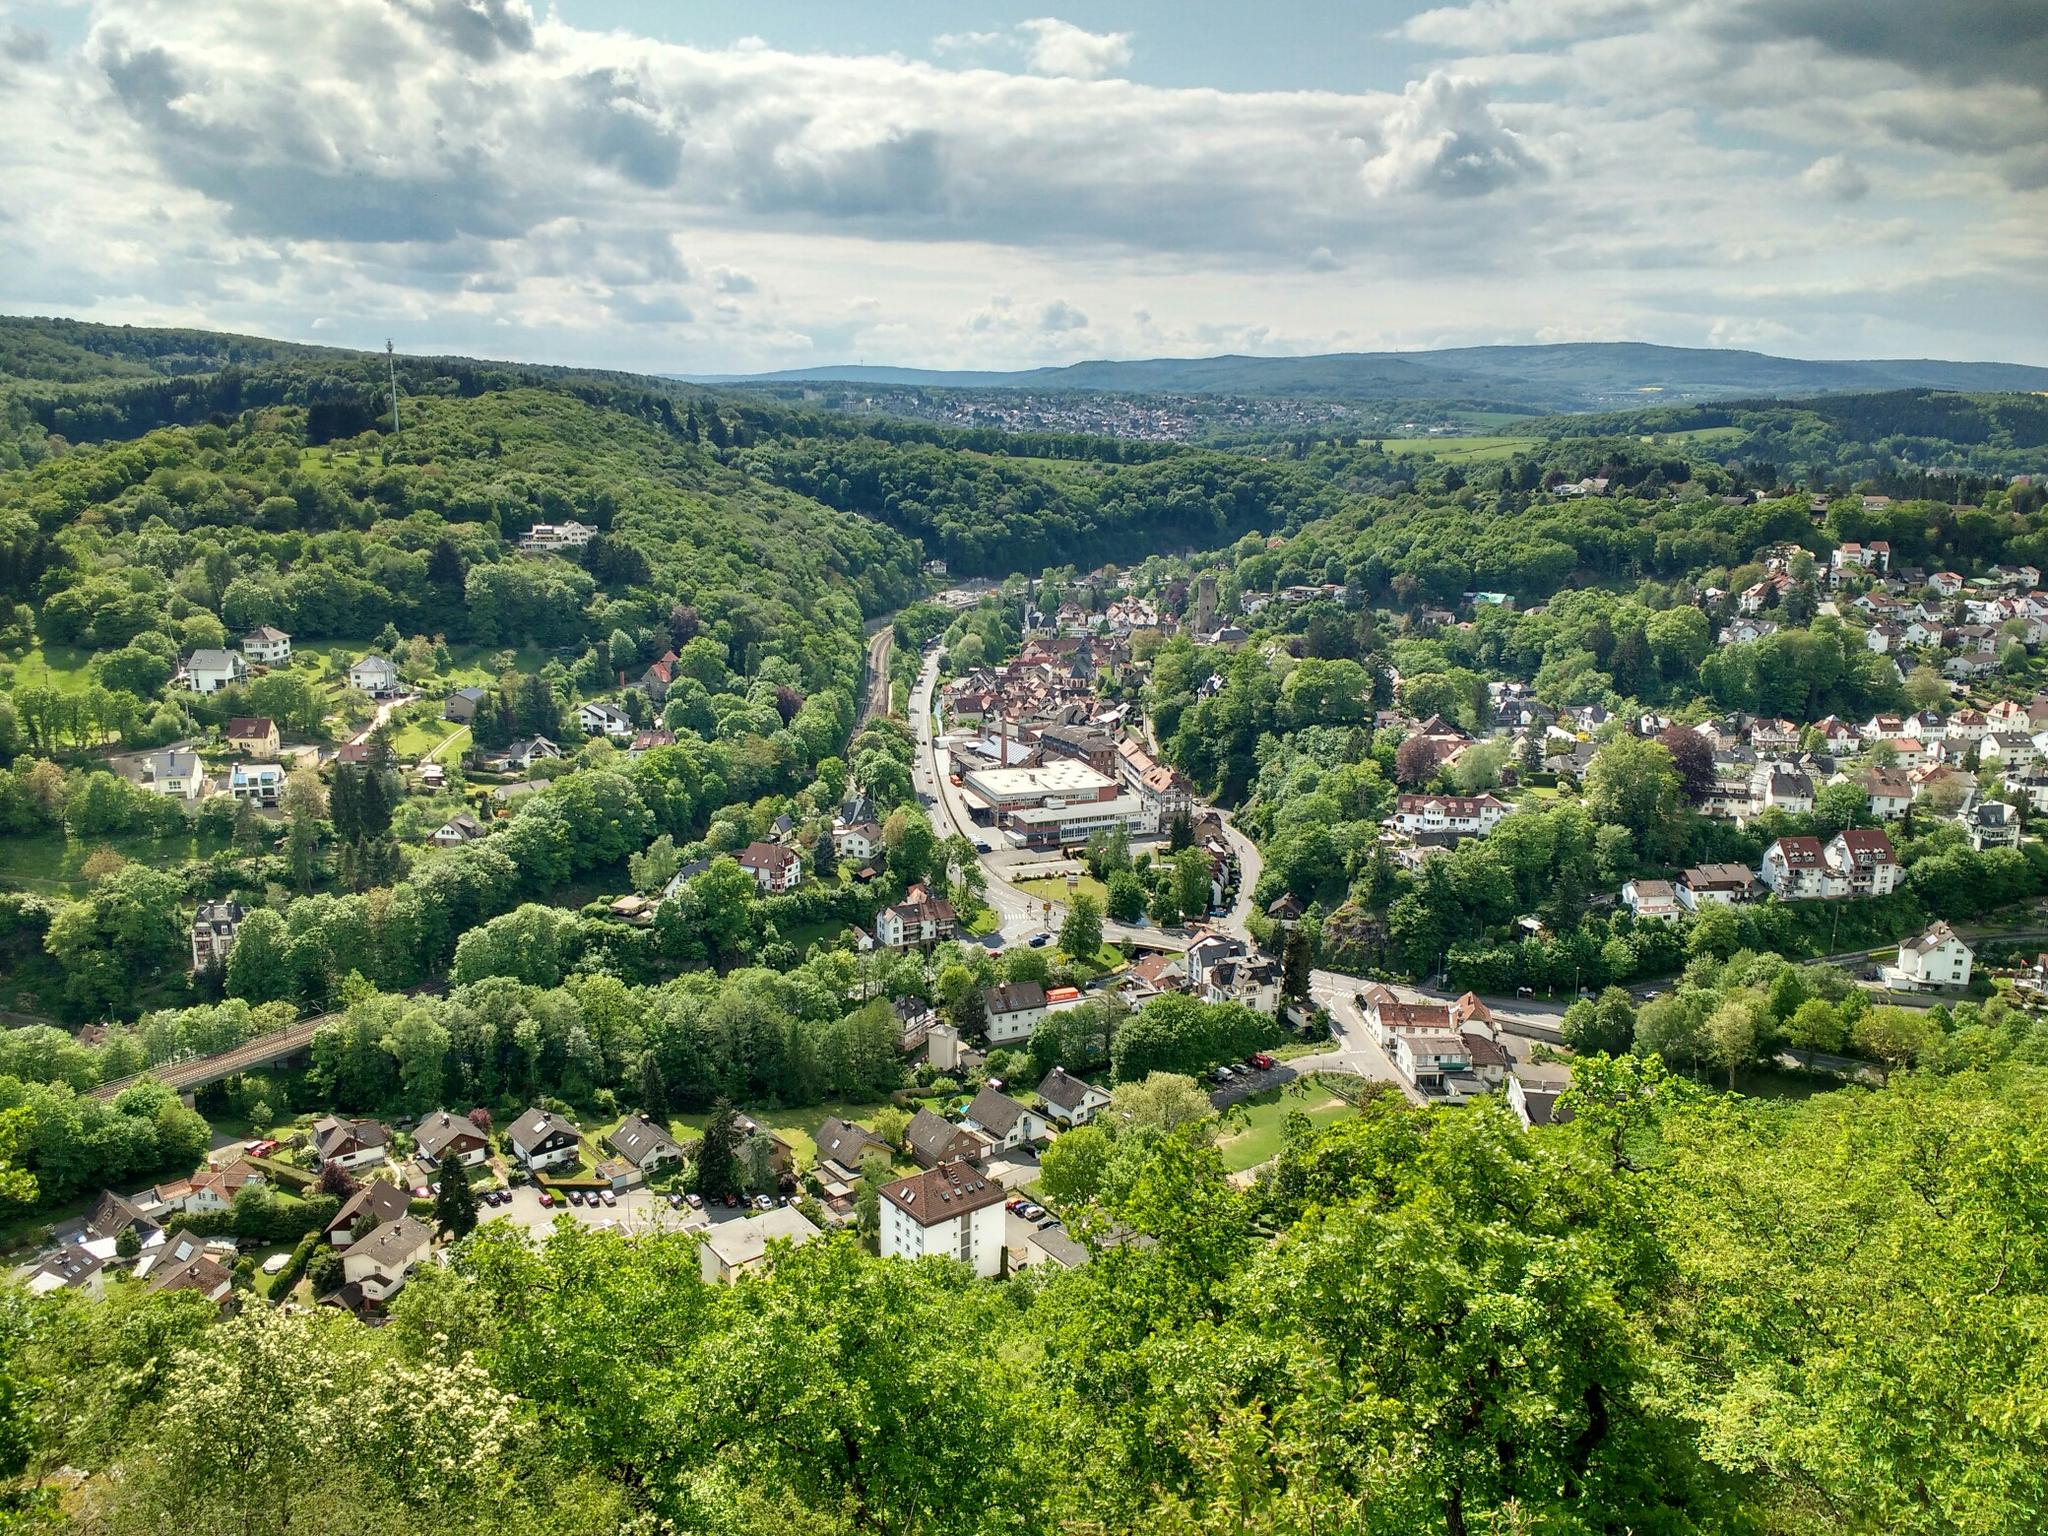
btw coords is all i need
(953, 1210)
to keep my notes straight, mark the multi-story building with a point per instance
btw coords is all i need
(1457, 815)
(270, 647)
(1057, 804)
(954, 1210)
(214, 927)
(774, 868)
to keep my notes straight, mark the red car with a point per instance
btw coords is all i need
(547, 1201)
(1263, 1062)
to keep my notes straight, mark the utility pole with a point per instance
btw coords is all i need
(391, 368)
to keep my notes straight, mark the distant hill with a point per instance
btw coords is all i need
(1576, 376)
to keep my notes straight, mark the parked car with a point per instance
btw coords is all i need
(1032, 1212)
(1220, 1076)
(1262, 1061)
(982, 845)
(696, 1202)
(547, 1201)
(1014, 1207)
(731, 1201)
(607, 1197)
(577, 1197)
(1040, 940)
(764, 1203)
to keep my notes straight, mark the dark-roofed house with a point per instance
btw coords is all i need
(461, 705)
(441, 1136)
(351, 1143)
(1069, 1100)
(644, 1144)
(113, 1214)
(253, 734)
(1004, 1121)
(542, 1139)
(954, 1210)
(1796, 868)
(1014, 1010)
(933, 1140)
(841, 1145)
(188, 1265)
(380, 1261)
(378, 1201)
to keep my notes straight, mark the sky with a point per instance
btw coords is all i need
(711, 188)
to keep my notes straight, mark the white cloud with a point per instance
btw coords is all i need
(1836, 178)
(1445, 137)
(1060, 48)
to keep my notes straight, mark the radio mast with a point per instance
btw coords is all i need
(391, 366)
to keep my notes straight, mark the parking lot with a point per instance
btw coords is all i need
(637, 1211)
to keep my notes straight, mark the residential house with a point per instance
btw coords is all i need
(953, 1209)
(1865, 861)
(113, 1214)
(1935, 959)
(914, 1020)
(177, 774)
(552, 538)
(254, 734)
(600, 719)
(458, 829)
(268, 646)
(374, 675)
(542, 1139)
(351, 1143)
(214, 927)
(856, 840)
(2028, 785)
(377, 1202)
(377, 1264)
(1651, 900)
(656, 681)
(76, 1266)
(190, 1263)
(461, 705)
(1015, 1009)
(781, 1156)
(1069, 1100)
(1991, 824)
(644, 1143)
(1003, 1121)
(1890, 793)
(842, 1145)
(1796, 869)
(1781, 786)
(260, 784)
(933, 1140)
(773, 867)
(734, 1248)
(209, 671)
(919, 919)
(1458, 815)
(2008, 750)
(442, 1136)
(521, 755)
(1709, 885)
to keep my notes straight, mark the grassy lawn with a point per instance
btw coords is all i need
(1056, 890)
(1462, 450)
(1258, 1136)
(48, 862)
(798, 1127)
(1105, 960)
(419, 737)
(982, 923)
(61, 667)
